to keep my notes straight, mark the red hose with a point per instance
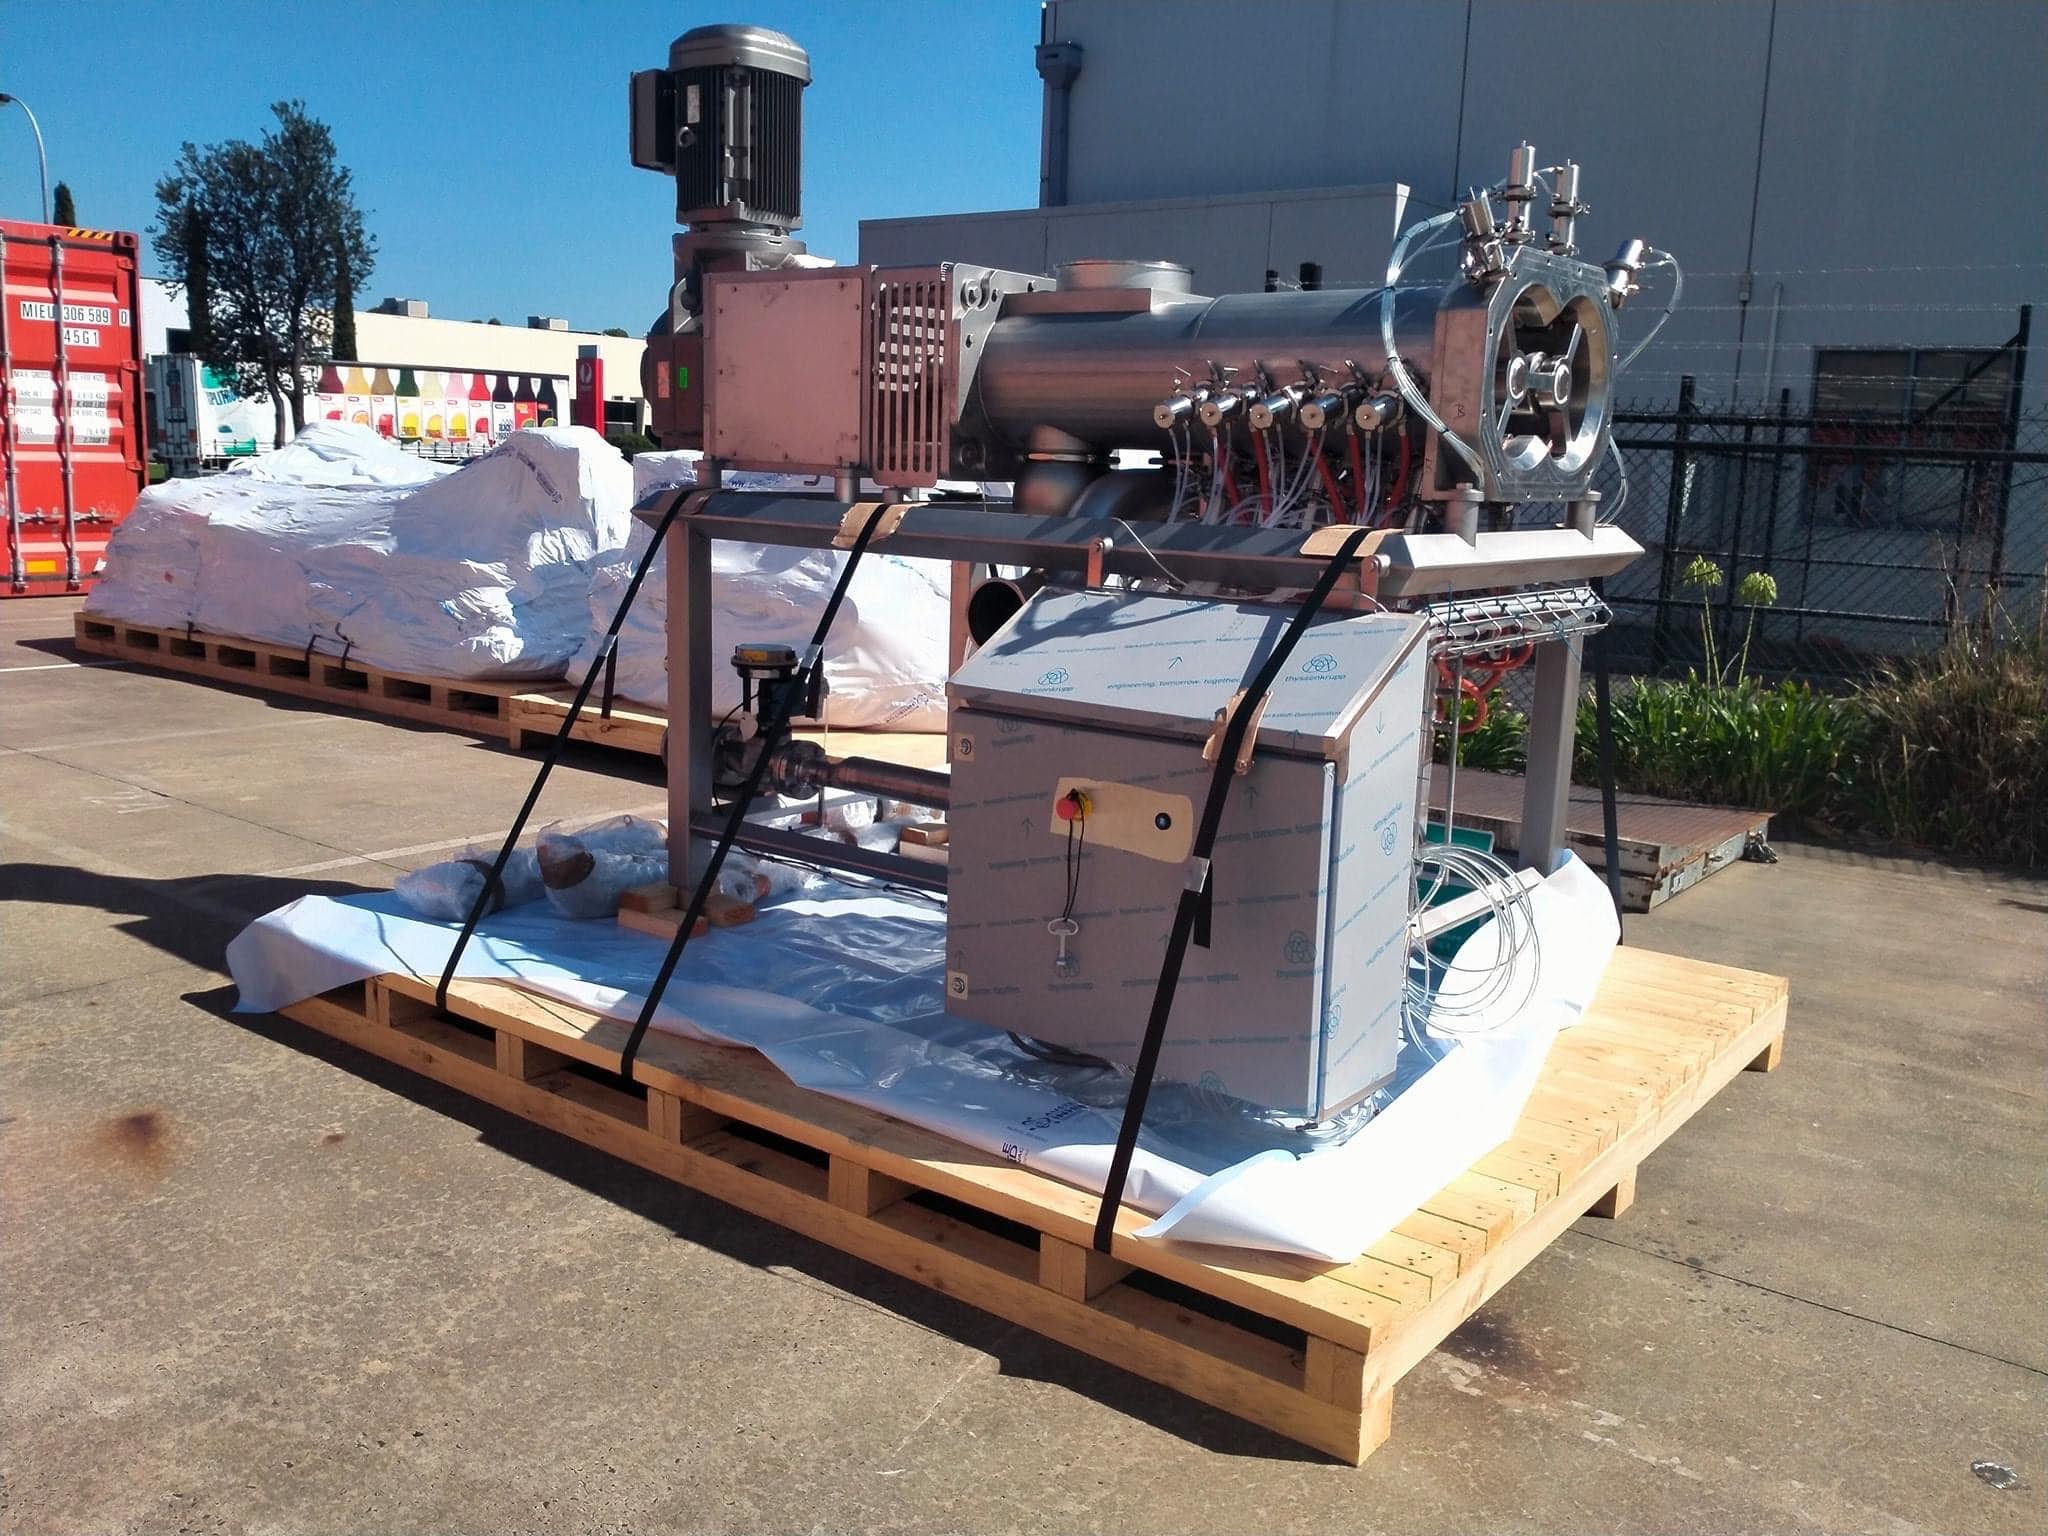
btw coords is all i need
(1330, 485)
(1467, 689)
(1358, 479)
(1265, 476)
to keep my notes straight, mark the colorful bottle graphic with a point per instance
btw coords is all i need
(356, 392)
(525, 410)
(504, 414)
(480, 406)
(330, 399)
(383, 402)
(544, 399)
(433, 424)
(408, 405)
(455, 406)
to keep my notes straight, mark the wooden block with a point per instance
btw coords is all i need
(1617, 1199)
(1333, 1374)
(653, 897)
(924, 853)
(662, 924)
(723, 911)
(927, 833)
(858, 1188)
(674, 1119)
(1077, 1273)
(521, 1058)
(1768, 1058)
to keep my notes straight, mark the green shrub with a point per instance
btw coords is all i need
(1947, 752)
(630, 443)
(1781, 748)
(1954, 748)
(1500, 743)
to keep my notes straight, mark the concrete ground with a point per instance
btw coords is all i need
(254, 1281)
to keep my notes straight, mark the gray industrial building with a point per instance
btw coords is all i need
(1855, 191)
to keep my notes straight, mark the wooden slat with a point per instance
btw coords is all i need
(536, 714)
(1464, 1242)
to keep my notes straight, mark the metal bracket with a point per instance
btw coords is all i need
(1324, 542)
(1097, 548)
(1214, 745)
(885, 515)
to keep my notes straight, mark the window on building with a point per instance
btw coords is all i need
(1925, 387)
(1869, 402)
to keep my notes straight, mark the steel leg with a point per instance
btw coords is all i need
(689, 692)
(1553, 724)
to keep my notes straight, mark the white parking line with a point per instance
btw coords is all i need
(489, 840)
(58, 666)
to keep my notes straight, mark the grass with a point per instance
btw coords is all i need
(1953, 748)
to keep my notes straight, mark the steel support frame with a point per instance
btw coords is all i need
(1403, 566)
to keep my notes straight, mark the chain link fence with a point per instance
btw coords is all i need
(1880, 534)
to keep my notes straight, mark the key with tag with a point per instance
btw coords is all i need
(1063, 929)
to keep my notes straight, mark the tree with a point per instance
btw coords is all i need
(65, 212)
(268, 223)
(344, 307)
(616, 330)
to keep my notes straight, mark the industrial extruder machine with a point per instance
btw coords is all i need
(1224, 569)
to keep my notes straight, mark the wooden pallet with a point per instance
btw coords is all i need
(1312, 1351)
(322, 675)
(521, 713)
(1666, 846)
(536, 715)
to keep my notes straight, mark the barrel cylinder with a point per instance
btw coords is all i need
(1099, 376)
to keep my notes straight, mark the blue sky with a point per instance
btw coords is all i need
(488, 141)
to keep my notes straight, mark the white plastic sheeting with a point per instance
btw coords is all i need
(885, 661)
(840, 989)
(341, 538)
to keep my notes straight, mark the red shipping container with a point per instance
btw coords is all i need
(72, 455)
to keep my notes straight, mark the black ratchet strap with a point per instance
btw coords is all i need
(1193, 908)
(736, 814)
(492, 894)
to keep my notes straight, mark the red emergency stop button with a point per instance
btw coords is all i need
(1072, 806)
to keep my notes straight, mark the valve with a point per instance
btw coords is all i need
(1376, 412)
(1565, 210)
(1172, 411)
(1270, 411)
(1320, 410)
(1622, 270)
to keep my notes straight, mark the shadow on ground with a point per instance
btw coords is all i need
(191, 917)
